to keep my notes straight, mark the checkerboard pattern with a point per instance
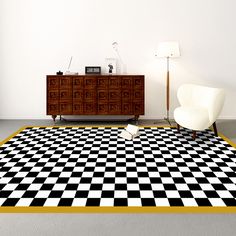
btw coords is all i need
(93, 166)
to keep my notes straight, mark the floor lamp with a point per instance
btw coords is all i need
(168, 50)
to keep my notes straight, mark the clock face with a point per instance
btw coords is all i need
(92, 70)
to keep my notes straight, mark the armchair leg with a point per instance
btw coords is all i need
(215, 129)
(194, 134)
(178, 127)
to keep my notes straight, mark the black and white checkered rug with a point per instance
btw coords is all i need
(92, 166)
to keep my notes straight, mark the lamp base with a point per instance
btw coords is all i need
(168, 120)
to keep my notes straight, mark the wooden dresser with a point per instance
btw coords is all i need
(95, 95)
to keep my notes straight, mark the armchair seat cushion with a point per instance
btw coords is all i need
(192, 117)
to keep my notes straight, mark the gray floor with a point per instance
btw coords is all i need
(115, 224)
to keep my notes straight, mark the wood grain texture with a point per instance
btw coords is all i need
(95, 95)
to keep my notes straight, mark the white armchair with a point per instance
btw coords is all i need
(199, 107)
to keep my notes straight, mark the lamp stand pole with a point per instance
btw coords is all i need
(167, 93)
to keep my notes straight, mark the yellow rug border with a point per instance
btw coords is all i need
(127, 210)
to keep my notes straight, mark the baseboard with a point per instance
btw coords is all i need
(115, 117)
(172, 118)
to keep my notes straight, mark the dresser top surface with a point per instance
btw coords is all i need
(95, 75)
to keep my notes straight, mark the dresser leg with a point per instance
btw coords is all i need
(136, 119)
(54, 118)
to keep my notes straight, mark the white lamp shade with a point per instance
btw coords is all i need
(168, 49)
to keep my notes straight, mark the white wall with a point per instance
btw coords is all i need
(38, 37)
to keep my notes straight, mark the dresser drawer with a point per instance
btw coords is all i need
(115, 108)
(102, 95)
(114, 83)
(102, 83)
(78, 108)
(53, 94)
(114, 95)
(65, 83)
(126, 82)
(126, 95)
(102, 108)
(90, 82)
(138, 108)
(52, 108)
(138, 95)
(78, 95)
(52, 82)
(138, 82)
(78, 82)
(65, 108)
(65, 94)
(90, 95)
(90, 108)
(127, 108)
